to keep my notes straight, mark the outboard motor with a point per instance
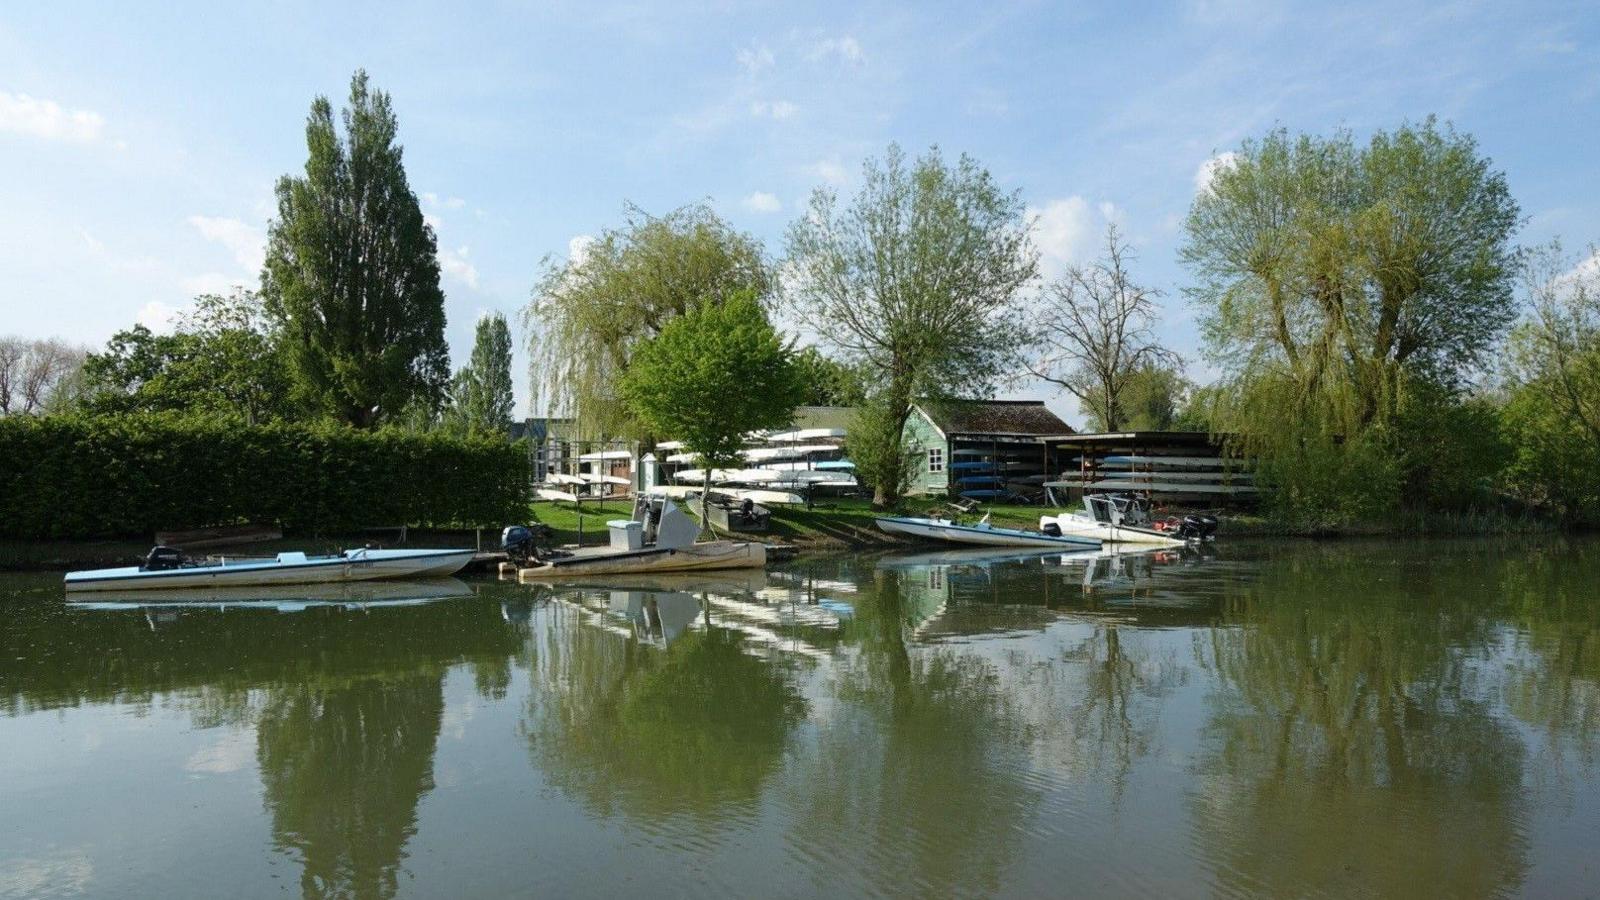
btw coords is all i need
(1198, 528)
(1052, 529)
(521, 542)
(163, 559)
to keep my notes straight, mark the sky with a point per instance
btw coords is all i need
(139, 143)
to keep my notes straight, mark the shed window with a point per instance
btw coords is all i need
(936, 459)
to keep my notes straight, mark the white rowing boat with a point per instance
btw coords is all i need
(285, 568)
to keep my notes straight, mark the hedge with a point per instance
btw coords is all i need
(82, 477)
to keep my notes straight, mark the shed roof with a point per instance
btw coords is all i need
(1029, 418)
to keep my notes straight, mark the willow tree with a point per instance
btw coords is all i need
(1554, 379)
(352, 270)
(1343, 286)
(1350, 268)
(917, 282)
(589, 311)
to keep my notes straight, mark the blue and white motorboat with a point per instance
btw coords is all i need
(983, 534)
(166, 568)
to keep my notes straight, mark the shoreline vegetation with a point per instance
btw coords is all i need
(1386, 354)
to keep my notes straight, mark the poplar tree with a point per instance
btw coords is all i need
(482, 390)
(352, 271)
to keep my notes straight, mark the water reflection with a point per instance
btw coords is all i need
(1281, 719)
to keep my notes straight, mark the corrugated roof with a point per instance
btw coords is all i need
(1010, 417)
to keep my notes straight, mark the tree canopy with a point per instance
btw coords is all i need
(1347, 267)
(481, 391)
(589, 311)
(712, 376)
(915, 281)
(38, 376)
(352, 271)
(221, 360)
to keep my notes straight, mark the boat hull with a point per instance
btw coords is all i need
(940, 530)
(297, 569)
(693, 558)
(1083, 526)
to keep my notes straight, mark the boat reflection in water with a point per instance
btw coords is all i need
(662, 608)
(281, 598)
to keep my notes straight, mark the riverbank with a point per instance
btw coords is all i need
(845, 524)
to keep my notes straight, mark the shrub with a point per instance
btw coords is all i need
(112, 476)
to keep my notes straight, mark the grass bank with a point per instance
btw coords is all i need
(833, 525)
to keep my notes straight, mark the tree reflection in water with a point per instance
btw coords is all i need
(694, 728)
(1353, 746)
(342, 769)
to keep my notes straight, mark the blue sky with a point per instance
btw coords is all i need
(139, 142)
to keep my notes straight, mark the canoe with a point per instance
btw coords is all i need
(982, 534)
(693, 558)
(975, 466)
(552, 494)
(285, 568)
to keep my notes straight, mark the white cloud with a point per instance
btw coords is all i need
(762, 202)
(845, 47)
(830, 170)
(159, 317)
(432, 199)
(432, 221)
(47, 119)
(1065, 230)
(210, 283)
(578, 248)
(63, 872)
(755, 57)
(247, 243)
(1208, 170)
(455, 264)
(233, 752)
(777, 109)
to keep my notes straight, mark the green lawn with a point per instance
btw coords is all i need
(833, 523)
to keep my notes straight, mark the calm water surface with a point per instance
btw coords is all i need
(1289, 719)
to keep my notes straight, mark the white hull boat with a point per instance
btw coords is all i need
(285, 568)
(709, 556)
(984, 535)
(1083, 526)
(1123, 519)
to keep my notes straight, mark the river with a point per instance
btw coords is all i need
(1413, 718)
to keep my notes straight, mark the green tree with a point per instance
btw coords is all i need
(352, 271)
(590, 311)
(1553, 370)
(1151, 398)
(1094, 328)
(916, 281)
(39, 376)
(827, 381)
(711, 376)
(481, 392)
(1342, 287)
(1350, 268)
(221, 360)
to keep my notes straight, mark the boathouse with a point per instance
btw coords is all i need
(983, 449)
(1184, 468)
